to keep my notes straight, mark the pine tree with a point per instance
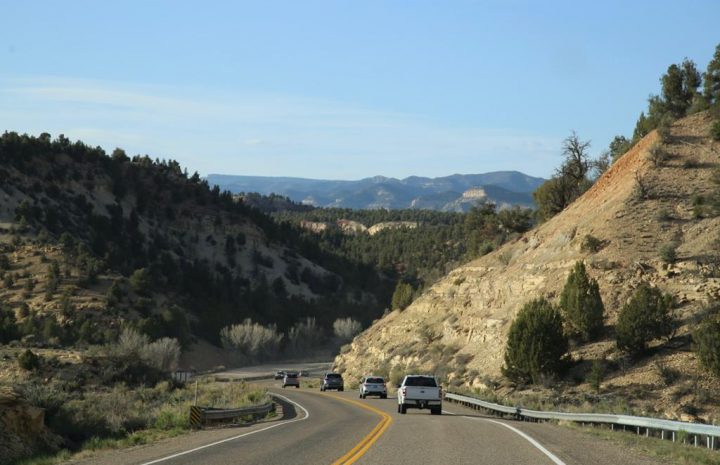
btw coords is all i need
(536, 344)
(647, 316)
(403, 296)
(581, 304)
(707, 344)
(712, 80)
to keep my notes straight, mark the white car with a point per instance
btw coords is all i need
(373, 386)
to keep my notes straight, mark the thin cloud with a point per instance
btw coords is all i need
(265, 134)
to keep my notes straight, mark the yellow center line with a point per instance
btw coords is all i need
(360, 448)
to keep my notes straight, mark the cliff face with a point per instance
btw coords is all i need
(460, 324)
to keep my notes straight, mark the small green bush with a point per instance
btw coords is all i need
(668, 375)
(29, 361)
(647, 316)
(596, 375)
(668, 253)
(715, 130)
(707, 345)
(536, 345)
(657, 155)
(663, 215)
(591, 244)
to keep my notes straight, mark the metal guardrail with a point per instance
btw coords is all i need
(693, 432)
(202, 415)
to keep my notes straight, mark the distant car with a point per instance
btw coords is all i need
(373, 386)
(332, 381)
(279, 374)
(303, 374)
(291, 379)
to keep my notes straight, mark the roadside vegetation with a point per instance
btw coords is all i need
(114, 395)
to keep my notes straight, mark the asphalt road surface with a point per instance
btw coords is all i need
(340, 429)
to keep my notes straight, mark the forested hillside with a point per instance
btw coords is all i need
(418, 255)
(92, 242)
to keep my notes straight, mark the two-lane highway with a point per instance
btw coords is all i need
(340, 429)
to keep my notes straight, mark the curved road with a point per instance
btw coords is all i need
(340, 429)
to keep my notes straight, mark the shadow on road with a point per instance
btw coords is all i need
(288, 410)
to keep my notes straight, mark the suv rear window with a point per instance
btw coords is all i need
(422, 381)
(375, 381)
(333, 376)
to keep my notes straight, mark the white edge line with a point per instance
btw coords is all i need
(307, 415)
(532, 441)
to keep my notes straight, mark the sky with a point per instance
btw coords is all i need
(339, 89)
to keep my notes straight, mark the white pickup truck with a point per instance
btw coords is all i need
(420, 391)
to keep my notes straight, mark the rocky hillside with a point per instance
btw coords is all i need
(458, 328)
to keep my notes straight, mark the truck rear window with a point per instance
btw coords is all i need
(422, 381)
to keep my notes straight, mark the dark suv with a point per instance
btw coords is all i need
(332, 381)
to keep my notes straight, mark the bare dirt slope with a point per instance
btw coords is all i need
(459, 326)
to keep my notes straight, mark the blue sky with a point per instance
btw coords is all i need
(343, 90)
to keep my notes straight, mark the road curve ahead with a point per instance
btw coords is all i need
(340, 429)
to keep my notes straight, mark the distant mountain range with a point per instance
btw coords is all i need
(457, 192)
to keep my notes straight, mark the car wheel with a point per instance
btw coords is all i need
(383, 396)
(435, 411)
(403, 409)
(297, 386)
(341, 389)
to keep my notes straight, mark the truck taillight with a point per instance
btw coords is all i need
(404, 392)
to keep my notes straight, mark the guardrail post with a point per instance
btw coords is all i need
(196, 416)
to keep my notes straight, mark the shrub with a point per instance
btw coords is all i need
(581, 304)
(668, 253)
(403, 296)
(163, 354)
(536, 345)
(715, 130)
(663, 215)
(663, 129)
(251, 339)
(667, 374)
(647, 316)
(304, 336)
(657, 155)
(707, 345)
(131, 343)
(29, 361)
(590, 244)
(597, 375)
(140, 281)
(346, 328)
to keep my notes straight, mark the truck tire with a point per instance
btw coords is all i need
(436, 411)
(403, 409)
